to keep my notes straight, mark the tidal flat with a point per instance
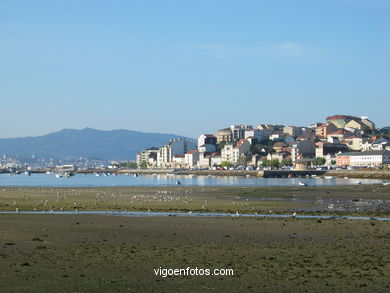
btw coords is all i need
(354, 199)
(95, 253)
(107, 253)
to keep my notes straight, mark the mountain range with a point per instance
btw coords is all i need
(88, 143)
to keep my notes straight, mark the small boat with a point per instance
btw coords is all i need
(328, 177)
(300, 183)
(135, 174)
(58, 175)
(386, 183)
(358, 182)
(97, 174)
(69, 174)
(178, 182)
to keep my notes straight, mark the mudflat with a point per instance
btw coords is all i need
(107, 253)
(95, 253)
(356, 199)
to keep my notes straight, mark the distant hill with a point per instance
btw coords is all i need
(87, 143)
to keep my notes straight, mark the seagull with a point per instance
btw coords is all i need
(294, 214)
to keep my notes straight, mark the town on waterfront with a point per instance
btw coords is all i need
(340, 142)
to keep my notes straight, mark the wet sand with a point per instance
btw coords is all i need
(357, 199)
(98, 253)
(68, 253)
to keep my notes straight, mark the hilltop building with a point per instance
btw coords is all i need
(224, 135)
(347, 121)
(238, 131)
(207, 139)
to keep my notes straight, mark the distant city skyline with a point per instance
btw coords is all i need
(190, 67)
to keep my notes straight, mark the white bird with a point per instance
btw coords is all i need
(294, 214)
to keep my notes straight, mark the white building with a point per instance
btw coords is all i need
(232, 153)
(191, 158)
(205, 139)
(277, 136)
(378, 145)
(177, 146)
(238, 131)
(366, 159)
(258, 134)
(65, 168)
(178, 161)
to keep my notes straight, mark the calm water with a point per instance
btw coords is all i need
(81, 180)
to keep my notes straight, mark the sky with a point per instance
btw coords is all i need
(190, 67)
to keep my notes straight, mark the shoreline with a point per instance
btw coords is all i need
(358, 174)
(351, 200)
(157, 214)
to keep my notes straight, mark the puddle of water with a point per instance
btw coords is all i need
(180, 214)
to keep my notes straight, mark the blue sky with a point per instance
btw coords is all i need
(190, 67)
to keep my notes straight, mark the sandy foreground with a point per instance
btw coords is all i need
(100, 253)
(82, 253)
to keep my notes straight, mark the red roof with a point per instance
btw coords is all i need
(191, 152)
(342, 132)
(279, 144)
(334, 117)
(240, 142)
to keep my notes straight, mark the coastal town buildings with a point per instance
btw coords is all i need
(224, 135)
(257, 134)
(234, 152)
(342, 139)
(324, 129)
(238, 131)
(177, 146)
(377, 145)
(303, 149)
(191, 158)
(364, 159)
(207, 139)
(147, 157)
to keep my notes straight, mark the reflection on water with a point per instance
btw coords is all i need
(179, 214)
(80, 180)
